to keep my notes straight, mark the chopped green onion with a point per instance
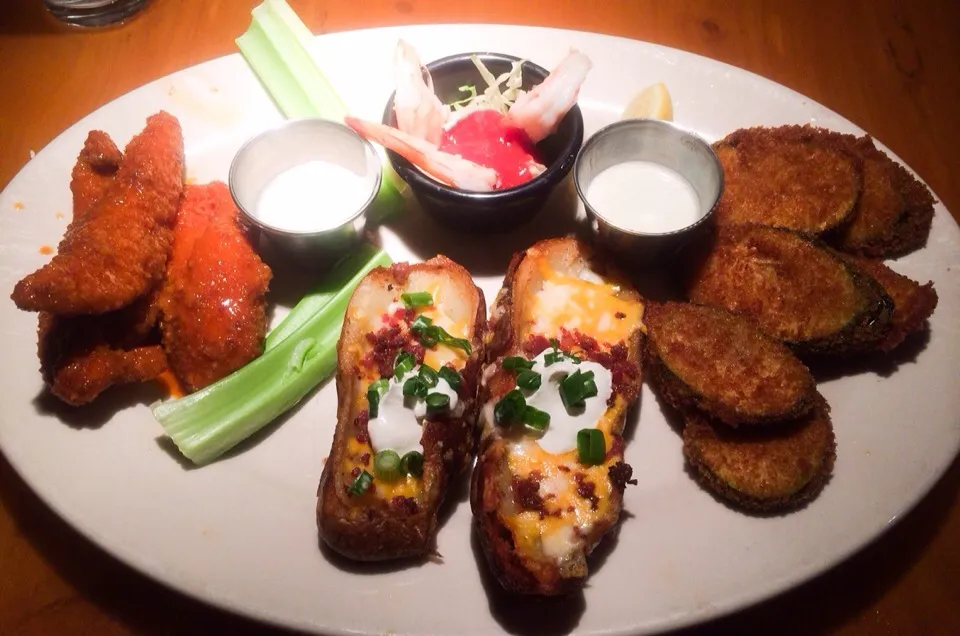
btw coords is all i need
(417, 299)
(209, 422)
(535, 418)
(374, 392)
(509, 408)
(513, 363)
(412, 463)
(453, 378)
(361, 484)
(415, 387)
(529, 380)
(430, 335)
(576, 388)
(437, 402)
(420, 323)
(277, 48)
(403, 364)
(591, 446)
(429, 376)
(386, 465)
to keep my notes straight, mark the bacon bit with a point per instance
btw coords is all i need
(355, 472)
(360, 423)
(563, 469)
(526, 492)
(401, 272)
(619, 315)
(365, 459)
(535, 344)
(571, 508)
(620, 475)
(404, 505)
(586, 489)
(46, 250)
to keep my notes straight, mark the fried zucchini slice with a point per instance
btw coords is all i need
(540, 508)
(796, 289)
(913, 303)
(394, 514)
(895, 210)
(715, 361)
(767, 469)
(795, 177)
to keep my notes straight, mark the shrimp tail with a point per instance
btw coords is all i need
(419, 111)
(448, 168)
(540, 111)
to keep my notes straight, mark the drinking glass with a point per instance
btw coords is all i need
(93, 13)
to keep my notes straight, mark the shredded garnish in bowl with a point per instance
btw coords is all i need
(492, 97)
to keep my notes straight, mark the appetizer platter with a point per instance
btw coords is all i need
(480, 399)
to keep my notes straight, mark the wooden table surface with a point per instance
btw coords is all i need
(891, 67)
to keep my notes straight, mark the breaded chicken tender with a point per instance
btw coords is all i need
(214, 307)
(797, 290)
(795, 177)
(94, 172)
(117, 251)
(715, 361)
(767, 469)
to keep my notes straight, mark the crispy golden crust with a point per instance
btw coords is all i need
(797, 177)
(913, 303)
(772, 469)
(796, 289)
(707, 358)
(372, 529)
(895, 210)
(493, 494)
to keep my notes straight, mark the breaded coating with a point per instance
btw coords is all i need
(796, 177)
(895, 210)
(715, 361)
(117, 251)
(81, 356)
(913, 303)
(767, 469)
(214, 307)
(796, 289)
(93, 173)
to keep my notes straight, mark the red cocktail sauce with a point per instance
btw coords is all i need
(484, 138)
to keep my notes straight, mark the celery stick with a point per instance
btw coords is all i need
(276, 46)
(362, 260)
(206, 424)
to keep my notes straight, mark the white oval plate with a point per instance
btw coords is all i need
(241, 533)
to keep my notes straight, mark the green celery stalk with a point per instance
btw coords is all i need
(276, 46)
(363, 259)
(206, 424)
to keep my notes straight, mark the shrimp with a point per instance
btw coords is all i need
(539, 111)
(451, 169)
(419, 111)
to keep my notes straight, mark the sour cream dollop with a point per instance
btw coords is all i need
(399, 422)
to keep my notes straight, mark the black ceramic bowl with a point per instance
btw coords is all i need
(501, 210)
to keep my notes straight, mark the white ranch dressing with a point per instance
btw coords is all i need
(561, 434)
(312, 197)
(642, 196)
(399, 422)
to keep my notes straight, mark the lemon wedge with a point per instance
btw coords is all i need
(652, 102)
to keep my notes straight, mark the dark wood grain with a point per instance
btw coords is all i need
(889, 66)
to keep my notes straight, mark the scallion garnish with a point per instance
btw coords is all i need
(509, 408)
(528, 379)
(535, 418)
(513, 363)
(374, 392)
(576, 388)
(412, 463)
(386, 465)
(437, 402)
(403, 364)
(591, 446)
(429, 376)
(558, 354)
(430, 335)
(420, 323)
(415, 387)
(451, 376)
(417, 299)
(361, 484)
